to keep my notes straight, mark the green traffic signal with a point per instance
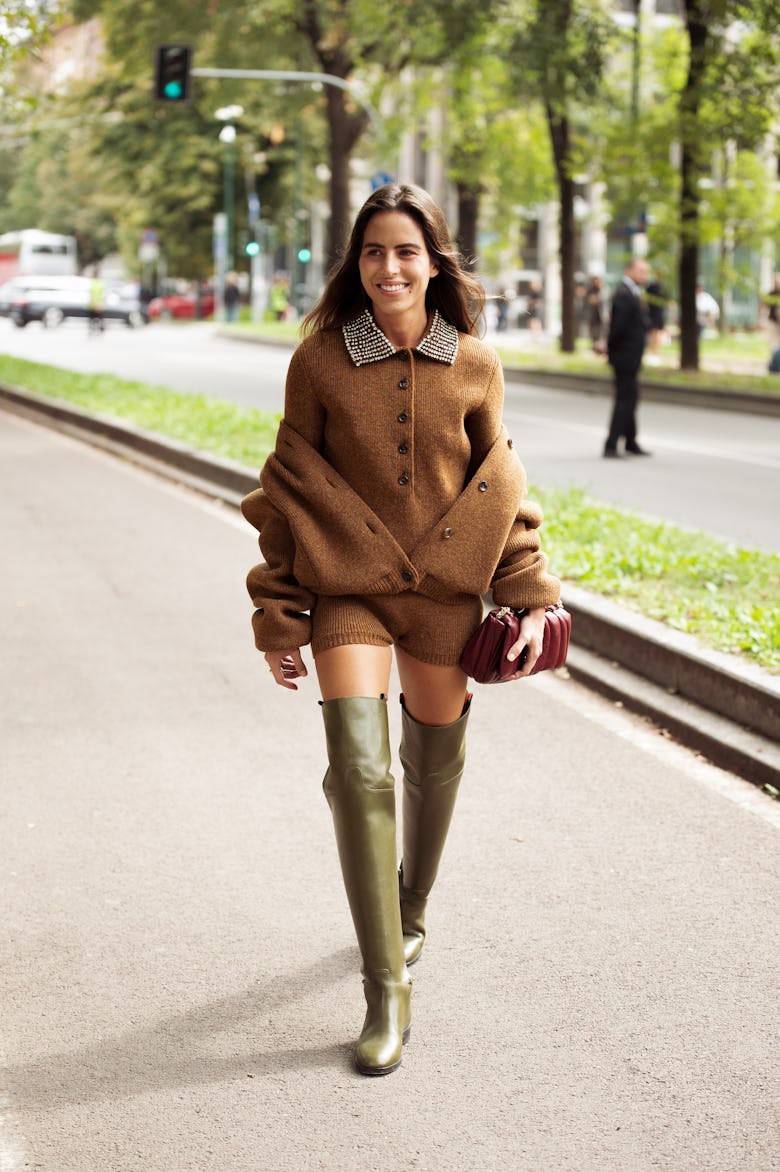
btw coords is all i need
(304, 255)
(172, 73)
(252, 248)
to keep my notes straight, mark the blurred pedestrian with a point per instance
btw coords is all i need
(625, 347)
(279, 297)
(232, 297)
(393, 500)
(534, 306)
(771, 312)
(657, 300)
(594, 306)
(96, 298)
(707, 309)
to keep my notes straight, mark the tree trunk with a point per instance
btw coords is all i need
(468, 218)
(560, 137)
(690, 99)
(345, 129)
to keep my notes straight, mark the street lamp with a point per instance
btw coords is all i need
(224, 253)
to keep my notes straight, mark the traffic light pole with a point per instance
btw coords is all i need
(352, 87)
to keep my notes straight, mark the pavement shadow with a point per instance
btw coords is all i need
(195, 1048)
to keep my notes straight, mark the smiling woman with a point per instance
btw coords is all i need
(392, 502)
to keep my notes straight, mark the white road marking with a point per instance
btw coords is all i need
(658, 442)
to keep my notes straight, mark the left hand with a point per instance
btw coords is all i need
(529, 640)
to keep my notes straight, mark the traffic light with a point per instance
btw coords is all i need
(252, 248)
(172, 73)
(304, 255)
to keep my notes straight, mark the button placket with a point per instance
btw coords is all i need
(403, 417)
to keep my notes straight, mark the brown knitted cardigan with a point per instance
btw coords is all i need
(392, 472)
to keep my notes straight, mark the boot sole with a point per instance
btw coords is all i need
(378, 1071)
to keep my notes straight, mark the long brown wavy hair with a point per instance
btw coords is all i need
(457, 295)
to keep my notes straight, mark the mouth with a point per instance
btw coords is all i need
(393, 287)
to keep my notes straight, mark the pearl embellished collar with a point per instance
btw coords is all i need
(366, 342)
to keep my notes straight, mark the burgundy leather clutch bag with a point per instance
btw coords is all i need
(484, 656)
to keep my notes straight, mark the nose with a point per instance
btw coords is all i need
(391, 265)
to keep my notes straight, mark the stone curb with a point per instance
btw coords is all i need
(726, 709)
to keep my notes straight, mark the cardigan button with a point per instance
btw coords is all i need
(403, 449)
(404, 383)
(403, 478)
(446, 533)
(509, 443)
(403, 417)
(482, 486)
(407, 575)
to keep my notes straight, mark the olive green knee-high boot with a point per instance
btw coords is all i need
(433, 758)
(361, 795)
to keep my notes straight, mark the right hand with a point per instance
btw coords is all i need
(286, 666)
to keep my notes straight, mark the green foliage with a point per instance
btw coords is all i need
(24, 24)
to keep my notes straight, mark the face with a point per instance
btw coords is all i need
(640, 271)
(396, 267)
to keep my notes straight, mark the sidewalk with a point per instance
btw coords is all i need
(180, 982)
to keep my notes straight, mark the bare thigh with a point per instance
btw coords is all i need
(432, 694)
(354, 669)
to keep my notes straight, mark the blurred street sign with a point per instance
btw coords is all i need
(380, 179)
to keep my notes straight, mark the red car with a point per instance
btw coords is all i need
(193, 304)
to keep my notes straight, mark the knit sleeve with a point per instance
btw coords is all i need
(484, 424)
(522, 579)
(303, 409)
(280, 621)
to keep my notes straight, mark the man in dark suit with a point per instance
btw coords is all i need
(628, 325)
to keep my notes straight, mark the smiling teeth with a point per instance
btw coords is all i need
(392, 288)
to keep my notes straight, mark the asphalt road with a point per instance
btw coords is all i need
(179, 978)
(714, 471)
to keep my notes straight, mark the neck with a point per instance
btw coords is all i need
(402, 334)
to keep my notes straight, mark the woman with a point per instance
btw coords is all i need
(392, 501)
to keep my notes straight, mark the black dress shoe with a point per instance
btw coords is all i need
(635, 450)
(612, 454)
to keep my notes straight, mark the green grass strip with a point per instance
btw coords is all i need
(724, 595)
(211, 425)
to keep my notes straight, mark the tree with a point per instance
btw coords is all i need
(730, 91)
(24, 25)
(345, 37)
(558, 50)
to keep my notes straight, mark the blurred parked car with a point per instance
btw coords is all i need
(50, 300)
(194, 303)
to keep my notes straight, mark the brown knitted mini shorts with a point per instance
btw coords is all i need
(427, 630)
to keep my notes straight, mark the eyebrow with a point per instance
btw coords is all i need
(376, 244)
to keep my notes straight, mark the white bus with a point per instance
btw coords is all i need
(32, 253)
